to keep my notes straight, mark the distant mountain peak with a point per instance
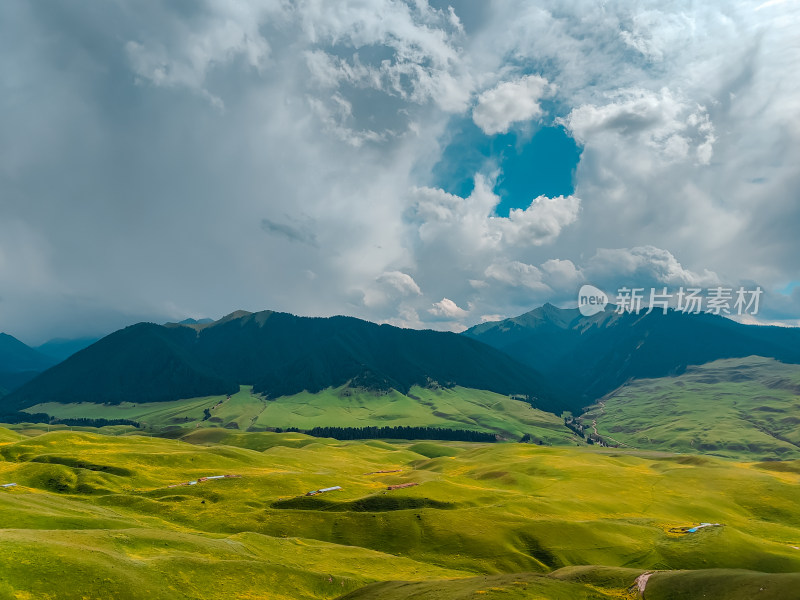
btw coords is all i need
(548, 313)
(191, 321)
(237, 314)
(587, 357)
(198, 324)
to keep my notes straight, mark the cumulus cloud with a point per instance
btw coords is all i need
(659, 120)
(561, 275)
(189, 124)
(645, 264)
(441, 214)
(541, 222)
(406, 50)
(515, 273)
(402, 282)
(510, 102)
(447, 309)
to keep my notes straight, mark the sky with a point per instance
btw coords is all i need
(426, 164)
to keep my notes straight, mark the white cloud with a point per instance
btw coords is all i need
(334, 111)
(540, 223)
(402, 282)
(510, 102)
(492, 318)
(656, 34)
(184, 57)
(447, 309)
(517, 274)
(658, 121)
(472, 219)
(645, 263)
(419, 59)
(561, 274)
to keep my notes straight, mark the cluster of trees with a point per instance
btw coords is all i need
(575, 425)
(398, 433)
(583, 431)
(83, 422)
(23, 417)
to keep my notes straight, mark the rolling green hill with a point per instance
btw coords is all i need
(738, 408)
(456, 408)
(94, 516)
(585, 358)
(593, 583)
(279, 355)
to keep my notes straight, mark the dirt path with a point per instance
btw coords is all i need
(602, 406)
(641, 582)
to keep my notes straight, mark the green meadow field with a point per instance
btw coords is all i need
(457, 408)
(739, 408)
(93, 517)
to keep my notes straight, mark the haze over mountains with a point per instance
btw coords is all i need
(19, 363)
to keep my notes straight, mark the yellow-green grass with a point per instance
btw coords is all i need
(7, 436)
(740, 408)
(457, 408)
(92, 516)
(564, 584)
(723, 584)
(594, 583)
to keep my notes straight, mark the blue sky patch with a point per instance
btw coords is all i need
(530, 165)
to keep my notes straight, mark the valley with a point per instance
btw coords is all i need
(680, 480)
(95, 511)
(456, 408)
(739, 408)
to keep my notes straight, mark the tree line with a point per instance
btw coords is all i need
(12, 418)
(396, 433)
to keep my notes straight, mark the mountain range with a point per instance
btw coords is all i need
(556, 358)
(278, 354)
(584, 358)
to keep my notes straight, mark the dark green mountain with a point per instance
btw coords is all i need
(19, 363)
(277, 353)
(586, 357)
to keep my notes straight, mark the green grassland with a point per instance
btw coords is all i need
(737, 408)
(593, 583)
(457, 408)
(93, 517)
